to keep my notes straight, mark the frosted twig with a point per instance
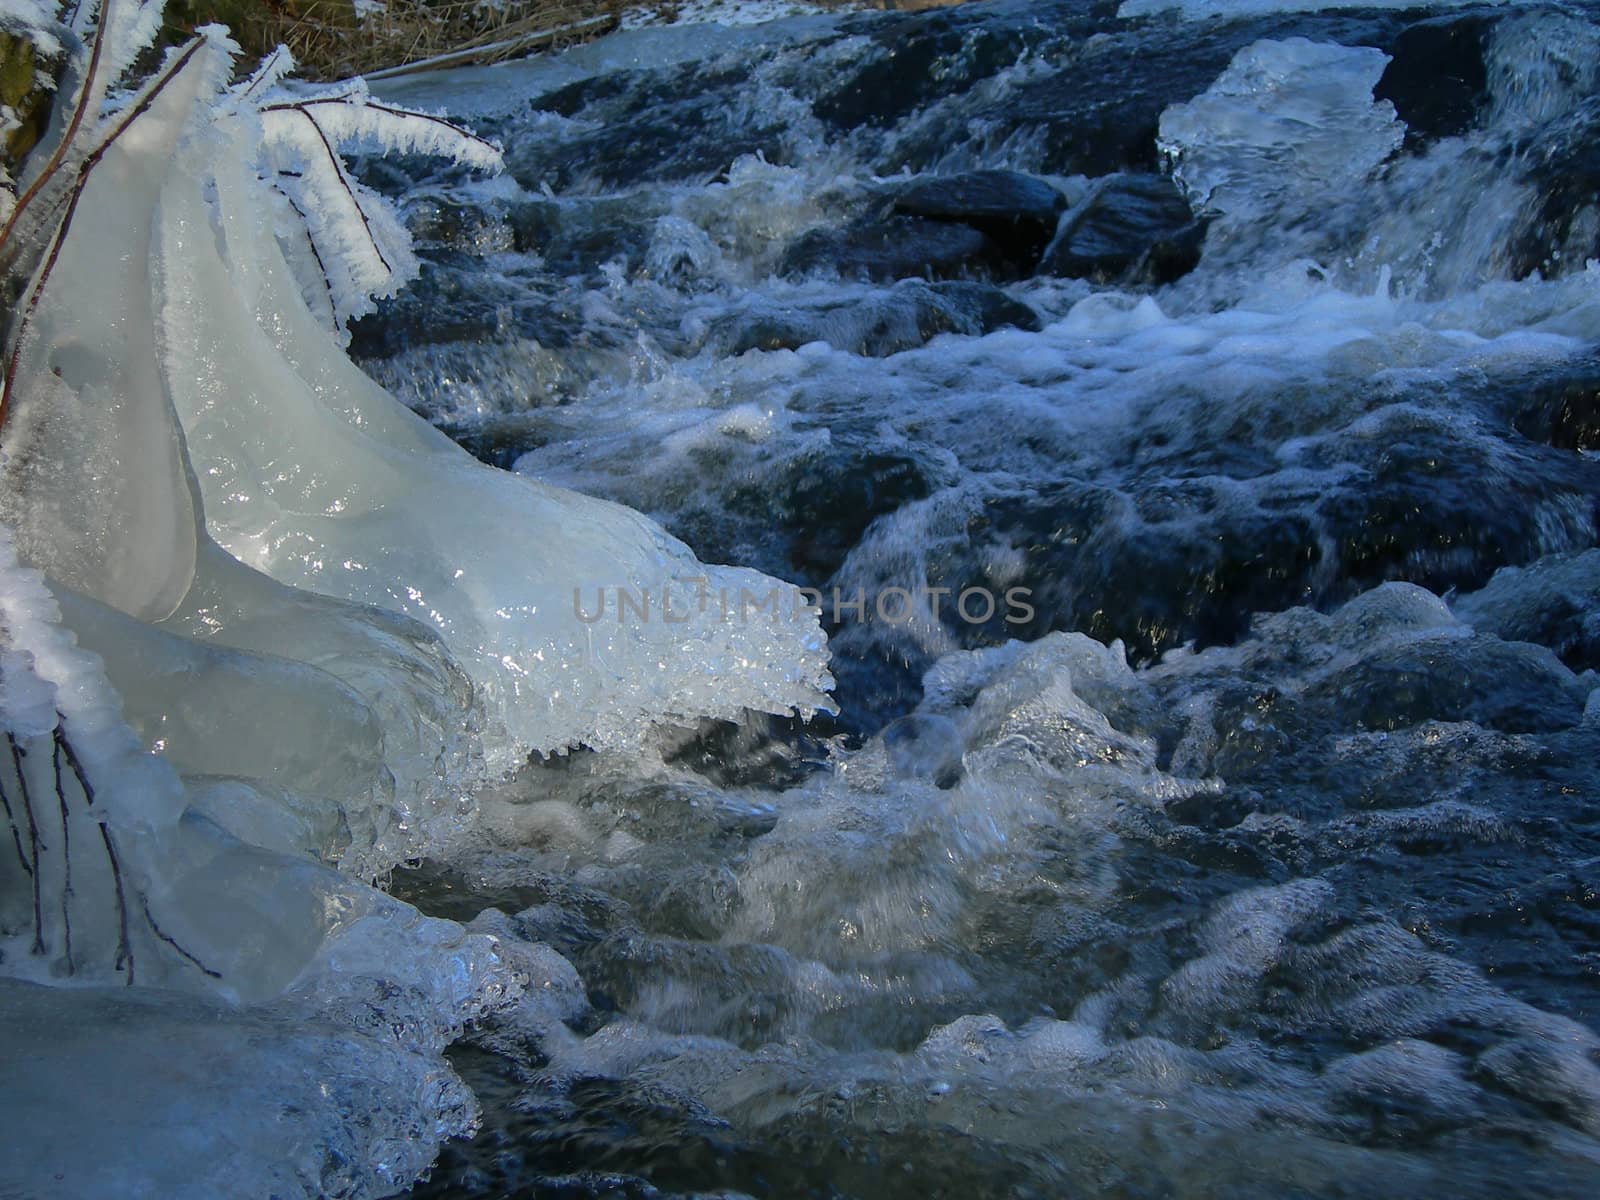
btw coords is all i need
(311, 242)
(262, 73)
(344, 182)
(387, 109)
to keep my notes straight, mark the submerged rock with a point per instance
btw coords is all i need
(1436, 78)
(1553, 602)
(983, 224)
(897, 248)
(1017, 212)
(1563, 412)
(1135, 225)
(910, 315)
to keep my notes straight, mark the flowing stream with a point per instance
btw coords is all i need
(1255, 851)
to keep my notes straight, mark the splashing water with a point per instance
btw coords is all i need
(1161, 897)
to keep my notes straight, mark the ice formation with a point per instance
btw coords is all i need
(258, 620)
(1286, 117)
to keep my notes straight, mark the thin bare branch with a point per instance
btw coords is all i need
(16, 832)
(66, 852)
(172, 941)
(34, 845)
(124, 942)
(67, 137)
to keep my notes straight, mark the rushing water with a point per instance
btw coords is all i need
(1266, 860)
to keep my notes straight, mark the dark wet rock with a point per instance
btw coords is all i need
(988, 307)
(771, 753)
(1017, 212)
(574, 98)
(544, 1138)
(896, 248)
(919, 58)
(978, 197)
(1100, 112)
(676, 122)
(825, 503)
(906, 317)
(643, 150)
(1447, 513)
(1561, 411)
(1135, 227)
(574, 235)
(1561, 230)
(449, 222)
(1436, 78)
(1554, 602)
(1093, 565)
(444, 306)
(1159, 561)
(1500, 685)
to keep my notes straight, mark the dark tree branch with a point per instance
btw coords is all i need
(66, 852)
(16, 833)
(144, 902)
(67, 136)
(34, 845)
(124, 943)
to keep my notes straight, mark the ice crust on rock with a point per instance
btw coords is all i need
(1286, 118)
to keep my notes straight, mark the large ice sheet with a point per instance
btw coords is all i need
(314, 475)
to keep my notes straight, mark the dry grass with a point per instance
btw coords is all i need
(330, 41)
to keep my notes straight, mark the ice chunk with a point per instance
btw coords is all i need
(187, 1097)
(1287, 118)
(95, 485)
(312, 474)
